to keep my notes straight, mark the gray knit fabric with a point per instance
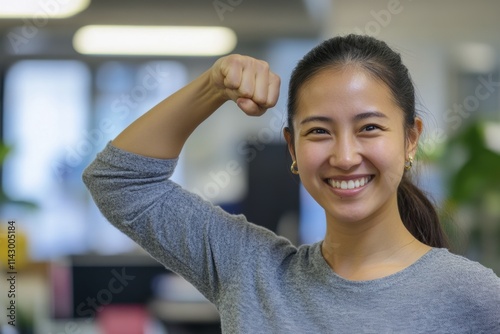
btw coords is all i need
(261, 283)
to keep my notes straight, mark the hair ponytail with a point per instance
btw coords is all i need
(419, 215)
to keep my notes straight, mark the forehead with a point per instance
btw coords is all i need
(344, 91)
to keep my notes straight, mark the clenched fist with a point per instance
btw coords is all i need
(247, 81)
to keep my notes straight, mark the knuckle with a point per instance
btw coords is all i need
(245, 92)
(262, 65)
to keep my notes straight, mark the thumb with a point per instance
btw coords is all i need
(250, 107)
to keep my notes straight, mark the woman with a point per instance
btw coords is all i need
(352, 133)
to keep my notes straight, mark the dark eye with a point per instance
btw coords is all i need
(318, 131)
(370, 127)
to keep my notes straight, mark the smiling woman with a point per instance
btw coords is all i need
(373, 88)
(352, 133)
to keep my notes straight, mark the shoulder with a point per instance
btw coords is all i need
(465, 282)
(454, 268)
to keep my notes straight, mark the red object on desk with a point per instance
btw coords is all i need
(123, 319)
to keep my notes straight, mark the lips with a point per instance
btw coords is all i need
(349, 184)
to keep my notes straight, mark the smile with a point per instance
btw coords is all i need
(350, 184)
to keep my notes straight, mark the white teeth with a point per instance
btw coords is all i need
(351, 184)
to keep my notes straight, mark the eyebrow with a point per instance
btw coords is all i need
(322, 119)
(357, 117)
(369, 114)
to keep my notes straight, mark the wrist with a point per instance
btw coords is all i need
(213, 87)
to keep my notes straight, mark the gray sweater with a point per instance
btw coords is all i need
(261, 283)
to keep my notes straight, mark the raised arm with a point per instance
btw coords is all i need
(181, 230)
(162, 131)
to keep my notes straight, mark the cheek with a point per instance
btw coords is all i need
(388, 159)
(310, 157)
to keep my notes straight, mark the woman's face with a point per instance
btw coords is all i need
(349, 144)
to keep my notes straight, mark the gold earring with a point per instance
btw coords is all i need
(293, 168)
(408, 163)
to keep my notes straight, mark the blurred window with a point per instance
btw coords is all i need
(55, 121)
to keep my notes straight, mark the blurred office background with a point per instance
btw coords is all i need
(60, 104)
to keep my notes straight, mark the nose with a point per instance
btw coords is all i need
(345, 153)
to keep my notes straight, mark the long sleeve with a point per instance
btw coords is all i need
(188, 235)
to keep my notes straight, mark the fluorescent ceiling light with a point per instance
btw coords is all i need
(12, 9)
(154, 40)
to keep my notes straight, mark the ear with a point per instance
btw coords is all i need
(287, 133)
(413, 137)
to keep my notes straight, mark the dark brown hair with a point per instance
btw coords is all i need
(379, 60)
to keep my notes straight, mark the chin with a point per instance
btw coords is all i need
(348, 217)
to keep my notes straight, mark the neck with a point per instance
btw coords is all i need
(369, 249)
